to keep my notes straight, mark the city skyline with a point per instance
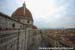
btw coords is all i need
(46, 13)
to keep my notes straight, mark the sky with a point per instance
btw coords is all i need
(46, 13)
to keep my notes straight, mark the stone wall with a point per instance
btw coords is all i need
(7, 22)
(8, 40)
(14, 35)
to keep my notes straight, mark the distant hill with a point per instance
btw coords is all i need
(70, 29)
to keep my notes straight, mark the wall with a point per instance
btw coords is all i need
(14, 35)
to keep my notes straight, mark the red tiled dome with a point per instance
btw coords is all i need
(22, 12)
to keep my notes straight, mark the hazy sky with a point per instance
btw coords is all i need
(46, 13)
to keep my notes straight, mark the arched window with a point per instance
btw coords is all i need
(0, 28)
(28, 21)
(13, 25)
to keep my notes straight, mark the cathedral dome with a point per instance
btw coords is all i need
(22, 13)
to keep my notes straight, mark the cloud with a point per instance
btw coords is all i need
(46, 13)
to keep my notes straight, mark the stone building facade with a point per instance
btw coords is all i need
(18, 32)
